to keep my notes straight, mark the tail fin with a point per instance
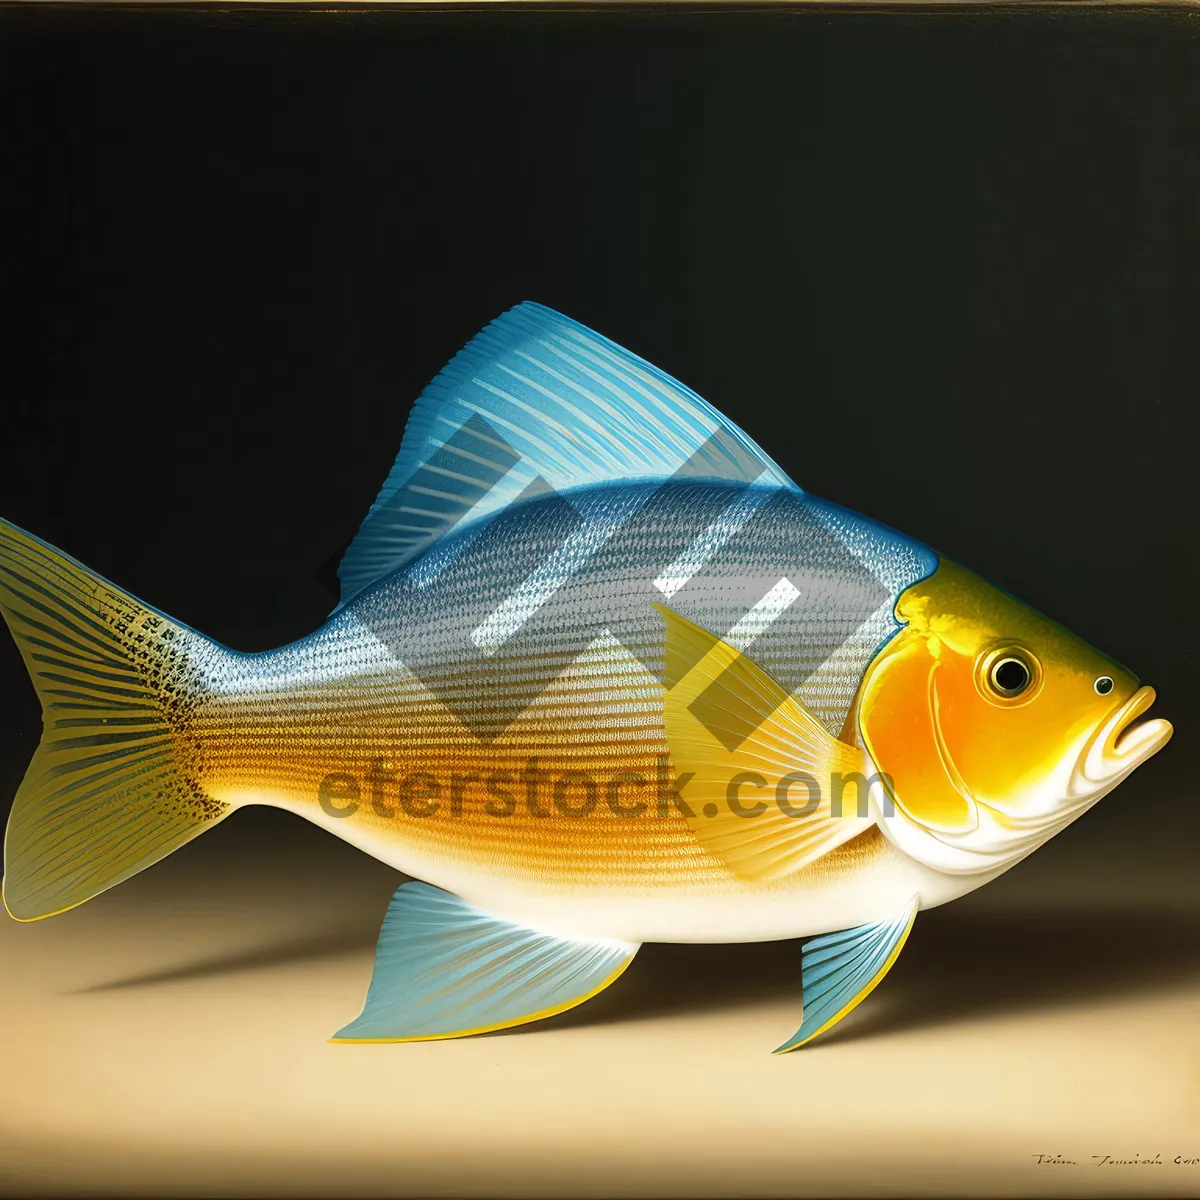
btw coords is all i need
(112, 787)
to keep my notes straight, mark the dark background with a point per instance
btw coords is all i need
(943, 266)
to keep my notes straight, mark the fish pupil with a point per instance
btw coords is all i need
(1010, 676)
(1104, 685)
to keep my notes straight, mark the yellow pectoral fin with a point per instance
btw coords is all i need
(764, 779)
(899, 721)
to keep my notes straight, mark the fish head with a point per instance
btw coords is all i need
(992, 726)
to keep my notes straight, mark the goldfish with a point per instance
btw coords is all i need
(601, 674)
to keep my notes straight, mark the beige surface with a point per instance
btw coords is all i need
(169, 1037)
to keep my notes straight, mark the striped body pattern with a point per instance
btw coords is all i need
(341, 702)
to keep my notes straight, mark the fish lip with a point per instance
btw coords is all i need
(1127, 738)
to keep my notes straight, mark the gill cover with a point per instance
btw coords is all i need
(901, 724)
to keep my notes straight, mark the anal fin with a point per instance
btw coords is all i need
(841, 969)
(445, 969)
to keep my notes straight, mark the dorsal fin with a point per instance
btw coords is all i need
(538, 399)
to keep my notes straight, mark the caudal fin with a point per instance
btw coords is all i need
(112, 787)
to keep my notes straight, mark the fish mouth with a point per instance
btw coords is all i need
(1126, 739)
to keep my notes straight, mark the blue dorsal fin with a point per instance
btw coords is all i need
(538, 400)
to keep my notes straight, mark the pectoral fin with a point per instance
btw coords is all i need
(766, 779)
(444, 969)
(841, 969)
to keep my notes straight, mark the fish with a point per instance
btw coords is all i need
(601, 674)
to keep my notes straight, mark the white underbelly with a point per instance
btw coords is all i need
(731, 910)
(738, 912)
(726, 910)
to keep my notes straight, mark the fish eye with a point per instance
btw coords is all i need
(1010, 676)
(1103, 685)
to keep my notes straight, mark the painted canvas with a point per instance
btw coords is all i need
(640, 537)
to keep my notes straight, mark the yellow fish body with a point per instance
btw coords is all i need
(602, 675)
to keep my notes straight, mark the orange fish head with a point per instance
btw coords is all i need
(992, 725)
